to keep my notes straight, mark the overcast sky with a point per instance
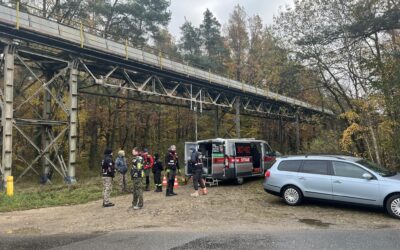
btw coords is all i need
(193, 11)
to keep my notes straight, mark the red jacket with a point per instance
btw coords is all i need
(148, 160)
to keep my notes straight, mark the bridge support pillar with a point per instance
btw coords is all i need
(237, 117)
(73, 121)
(297, 133)
(216, 122)
(7, 112)
(45, 136)
(280, 134)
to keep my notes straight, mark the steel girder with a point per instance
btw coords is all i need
(24, 88)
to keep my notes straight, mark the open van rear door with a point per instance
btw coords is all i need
(188, 153)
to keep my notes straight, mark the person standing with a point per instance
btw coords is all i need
(157, 169)
(148, 165)
(137, 177)
(122, 168)
(172, 165)
(197, 163)
(108, 173)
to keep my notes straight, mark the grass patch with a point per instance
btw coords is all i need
(38, 196)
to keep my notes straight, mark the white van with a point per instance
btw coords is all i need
(225, 159)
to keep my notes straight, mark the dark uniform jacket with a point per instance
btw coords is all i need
(158, 166)
(171, 161)
(107, 166)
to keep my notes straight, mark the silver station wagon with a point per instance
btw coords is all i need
(334, 178)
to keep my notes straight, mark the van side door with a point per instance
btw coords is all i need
(243, 161)
(268, 157)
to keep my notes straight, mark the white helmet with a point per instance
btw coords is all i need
(172, 148)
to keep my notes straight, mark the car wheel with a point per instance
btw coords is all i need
(292, 196)
(239, 180)
(393, 206)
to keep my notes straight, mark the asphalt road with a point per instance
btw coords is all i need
(308, 239)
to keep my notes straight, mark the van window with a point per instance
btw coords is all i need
(217, 149)
(315, 167)
(290, 166)
(243, 149)
(267, 149)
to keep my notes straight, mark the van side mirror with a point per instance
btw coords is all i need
(367, 176)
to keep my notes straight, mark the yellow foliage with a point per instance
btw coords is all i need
(350, 116)
(346, 142)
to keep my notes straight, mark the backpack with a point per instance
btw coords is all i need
(193, 157)
(122, 168)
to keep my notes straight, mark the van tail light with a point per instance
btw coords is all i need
(267, 174)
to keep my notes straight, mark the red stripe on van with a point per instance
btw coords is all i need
(242, 159)
(218, 160)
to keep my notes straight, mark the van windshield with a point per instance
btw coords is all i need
(376, 168)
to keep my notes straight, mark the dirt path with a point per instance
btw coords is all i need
(226, 207)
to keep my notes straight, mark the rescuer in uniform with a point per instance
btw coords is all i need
(108, 173)
(197, 164)
(122, 168)
(137, 175)
(157, 169)
(172, 165)
(148, 165)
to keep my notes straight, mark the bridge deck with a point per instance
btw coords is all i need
(53, 31)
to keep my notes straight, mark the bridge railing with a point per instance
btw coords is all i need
(81, 34)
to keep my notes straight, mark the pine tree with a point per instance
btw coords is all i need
(210, 32)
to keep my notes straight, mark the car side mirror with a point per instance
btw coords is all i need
(272, 153)
(367, 176)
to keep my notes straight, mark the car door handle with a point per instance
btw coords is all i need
(302, 178)
(337, 182)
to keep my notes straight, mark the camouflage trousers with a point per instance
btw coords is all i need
(121, 178)
(107, 188)
(137, 192)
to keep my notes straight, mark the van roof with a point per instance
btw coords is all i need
(231, 140)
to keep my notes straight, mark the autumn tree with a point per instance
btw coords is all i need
(238, 39)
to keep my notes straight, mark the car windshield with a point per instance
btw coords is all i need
(376, 168)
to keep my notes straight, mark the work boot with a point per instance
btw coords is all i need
(172, 192)
(160, 189)
(204, 191)
(195, 194)
(147, 187)
(168, 193)
(108, 204)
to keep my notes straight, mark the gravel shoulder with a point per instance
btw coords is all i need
(227, 207)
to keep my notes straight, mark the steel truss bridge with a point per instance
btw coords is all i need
(64, 61)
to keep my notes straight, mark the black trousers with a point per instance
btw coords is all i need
(157, 178)
(197, 178)
(171, 179)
